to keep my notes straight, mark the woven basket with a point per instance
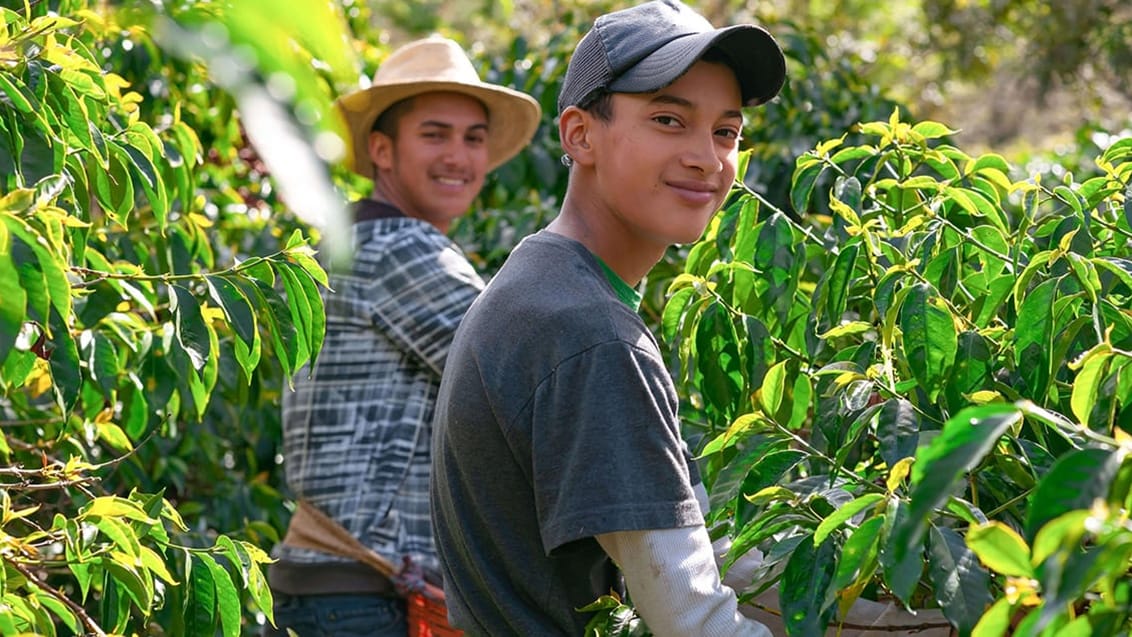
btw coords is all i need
(428, 617)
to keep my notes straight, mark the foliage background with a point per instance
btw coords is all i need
(141, 437)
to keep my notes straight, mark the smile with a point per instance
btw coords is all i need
(450, 181)
(696, 192)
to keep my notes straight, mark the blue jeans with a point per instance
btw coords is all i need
(338, 616)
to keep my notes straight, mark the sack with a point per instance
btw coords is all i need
(427, 613)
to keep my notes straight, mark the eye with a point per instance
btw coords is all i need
(476, 139)
(667, 121)
(729, 133)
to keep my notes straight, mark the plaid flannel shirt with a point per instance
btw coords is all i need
(357, 431)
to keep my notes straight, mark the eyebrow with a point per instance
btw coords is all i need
(665, 98)
(446, 125)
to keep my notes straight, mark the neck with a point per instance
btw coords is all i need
(381, 194)
(607, 237)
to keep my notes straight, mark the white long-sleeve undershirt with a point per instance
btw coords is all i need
(673, 578)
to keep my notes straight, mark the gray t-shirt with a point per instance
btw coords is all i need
(556, 421)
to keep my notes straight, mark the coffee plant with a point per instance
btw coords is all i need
(923, 392)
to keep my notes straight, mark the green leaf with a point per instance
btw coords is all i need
(15, 299)
(1086, 274)
(60, 610)
(1001, 548)
(800, 399)
(852, 153)
(973, 365)
(156, 565)
(1088, 381)
(241, 316)
(769, 469)
(966, 438)
(858, 560)
(114, 188)
(930, 340)
(200, 605)
(1033, 339)
(773, 388)
(227, 599)
(996, 621)
(962, 585)
(120, 533)
(114, 506)
(102, 362)
(307, 312)
(844, 513)
(902, 557)
(138, 584)
(136, 412)
(932, 130)
(834, 288)
(192, 331)
(151, 182)
(1062, 533)
(806, 172)
(805, 580)
(50, 264)
(12, 93)
(1122, 268)
(257, 583)
(898, 430)
(717, 359)
(1073, 482)
(66, 378)
(674, 313)
(276, 316)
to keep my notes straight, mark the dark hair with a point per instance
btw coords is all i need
(599, 104)
(388, 120)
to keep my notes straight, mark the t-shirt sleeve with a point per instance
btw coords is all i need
(419, 296)
(607, 454)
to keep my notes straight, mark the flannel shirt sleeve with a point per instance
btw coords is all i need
(420, 293)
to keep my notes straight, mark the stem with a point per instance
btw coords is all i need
(904, 628)
(79, 612)
(166, 278)
(1006, 505)
(967, 235)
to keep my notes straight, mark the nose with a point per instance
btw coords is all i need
(704, 154)
(455, 154)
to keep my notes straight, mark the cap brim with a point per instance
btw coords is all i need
(755, 57)
(513, 117)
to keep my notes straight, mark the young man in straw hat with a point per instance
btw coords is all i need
(357, 430)
(557, 450)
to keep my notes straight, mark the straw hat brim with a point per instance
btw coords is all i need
(513, 117)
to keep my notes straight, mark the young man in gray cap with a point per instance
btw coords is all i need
(557, 451)
(357, 427)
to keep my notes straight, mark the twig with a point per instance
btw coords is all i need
(912, 628)
(79, 612)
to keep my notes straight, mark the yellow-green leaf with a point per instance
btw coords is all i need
(1001, 548)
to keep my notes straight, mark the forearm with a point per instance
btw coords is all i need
(674, 583)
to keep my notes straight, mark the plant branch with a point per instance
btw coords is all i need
(92, 626)
(909, 628)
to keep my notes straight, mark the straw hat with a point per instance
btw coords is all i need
(437, 64)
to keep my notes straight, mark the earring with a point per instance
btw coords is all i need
(566, 160)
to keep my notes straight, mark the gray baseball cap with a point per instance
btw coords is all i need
(647, 47)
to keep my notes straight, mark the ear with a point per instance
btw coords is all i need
(381, 150)
(575, 128)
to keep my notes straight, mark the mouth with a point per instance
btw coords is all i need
(697, 192)
(451, 181)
